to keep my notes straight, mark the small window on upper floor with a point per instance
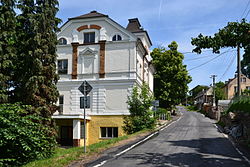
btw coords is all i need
(89, 37)
(116, 38)
(243, 79)
(62, 41)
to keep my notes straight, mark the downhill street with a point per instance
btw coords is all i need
(192, 141)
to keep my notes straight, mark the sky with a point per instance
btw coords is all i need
(175, 20)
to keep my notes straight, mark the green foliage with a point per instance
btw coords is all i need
(7, 48)
(219, 93)
(171, 77)
(246, 92)
(233, 35)
(140, 115)
(22, 137)
(36, 76)
(241, 103)
(191, 108)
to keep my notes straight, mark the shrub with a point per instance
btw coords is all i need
(161, 111)
(22, 137)
(139, 107)
(240, 104)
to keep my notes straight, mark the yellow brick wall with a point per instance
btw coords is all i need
(93, 133)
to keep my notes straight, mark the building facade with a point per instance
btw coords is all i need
(112, 59)
(204, 98)
(230, 88)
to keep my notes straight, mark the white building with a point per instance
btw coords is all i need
(112, 59)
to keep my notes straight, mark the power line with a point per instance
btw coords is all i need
(247, 13)
(193, 52)
(197, 58)
(245, 9)
(208, 61)
(230, 64)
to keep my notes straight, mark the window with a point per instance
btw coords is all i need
(62, 66)
(109, 132)
(243, 79)
(116, 38)
(62, 41)
(89, 37)
(61, 99)
(248, 87)
(235, 89)
(87, 102)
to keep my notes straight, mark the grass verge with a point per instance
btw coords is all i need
(63, 157)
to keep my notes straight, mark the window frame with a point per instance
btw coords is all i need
(114, 132)
(63, 42)
(61, 102)
(116, 37)
(85, 41)
(62, 70)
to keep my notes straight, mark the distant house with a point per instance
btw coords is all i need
(194, 92)
(230, 88)
(204, 98)
(112, 59)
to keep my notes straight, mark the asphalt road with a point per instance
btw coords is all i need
(193, 141)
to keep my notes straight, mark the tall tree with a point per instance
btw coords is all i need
(233, 35)
(7, 49)
(36, 78)
(171, 77)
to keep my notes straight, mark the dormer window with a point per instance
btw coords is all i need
(116, 38)
(89, 37)
(62, 41)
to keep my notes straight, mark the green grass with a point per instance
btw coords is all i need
(63, 157)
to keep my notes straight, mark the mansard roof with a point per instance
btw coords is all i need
(134, 26)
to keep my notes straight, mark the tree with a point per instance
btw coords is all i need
(245, 63)
(219, 93)
(171, 77)
(233, 35)
(140, 116)
(36, 77)
(7, 49)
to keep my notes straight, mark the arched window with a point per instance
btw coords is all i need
(116, 38)
(62, 41)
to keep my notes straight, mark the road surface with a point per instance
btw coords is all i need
(192, 141)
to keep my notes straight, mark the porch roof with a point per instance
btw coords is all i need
(70, 117)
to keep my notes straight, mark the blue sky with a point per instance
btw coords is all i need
(174, 20)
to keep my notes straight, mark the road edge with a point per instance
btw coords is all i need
(102, 160)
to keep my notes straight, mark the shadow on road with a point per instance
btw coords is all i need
(203, 156)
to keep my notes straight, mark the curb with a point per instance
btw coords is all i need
(244, 154)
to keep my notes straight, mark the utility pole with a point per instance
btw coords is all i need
(238, 72)
(213, 77)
